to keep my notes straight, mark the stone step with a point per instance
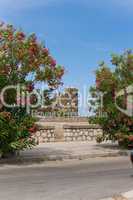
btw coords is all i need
(62, 119)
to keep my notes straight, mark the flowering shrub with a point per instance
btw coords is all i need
(108, 83)
(15, 134)
(22, 58)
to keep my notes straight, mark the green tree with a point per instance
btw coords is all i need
(22, 57)
(109, 81)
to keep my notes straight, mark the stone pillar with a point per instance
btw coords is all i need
(59, 133)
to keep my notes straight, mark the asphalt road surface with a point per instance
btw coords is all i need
(92, 179)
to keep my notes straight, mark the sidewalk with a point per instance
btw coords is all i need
(66, 151)
(74, 150)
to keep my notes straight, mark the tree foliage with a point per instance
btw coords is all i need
(109, 81)
(24, 61)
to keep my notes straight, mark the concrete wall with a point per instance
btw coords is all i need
(67, 133)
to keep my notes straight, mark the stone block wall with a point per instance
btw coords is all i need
(45, 134)
(81, 133)
(69, 133)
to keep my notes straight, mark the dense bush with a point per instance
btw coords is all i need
(116, 125)
(16, 134)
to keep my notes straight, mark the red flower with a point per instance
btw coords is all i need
(52, 61)
(130, 138)
(113, 94)
(20, 35)
(129, 122)
(45, 51)
(33, 99)
(33, 129)
(30, 87)
(98, 82)
(10, 36)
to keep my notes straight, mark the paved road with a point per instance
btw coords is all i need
(75, 180)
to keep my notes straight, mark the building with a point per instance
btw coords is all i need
(64, 104)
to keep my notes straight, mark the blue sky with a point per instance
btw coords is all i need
(79, 33)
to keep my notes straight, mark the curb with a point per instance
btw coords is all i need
(124, 196)
(27, 160)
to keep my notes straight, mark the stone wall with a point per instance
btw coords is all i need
(81, 133)
(69, 133)
(45, 134)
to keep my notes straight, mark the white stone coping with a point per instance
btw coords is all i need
(81, 126)
(45, 127)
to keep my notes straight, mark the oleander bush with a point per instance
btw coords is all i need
(109, 81)
(24, 61)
